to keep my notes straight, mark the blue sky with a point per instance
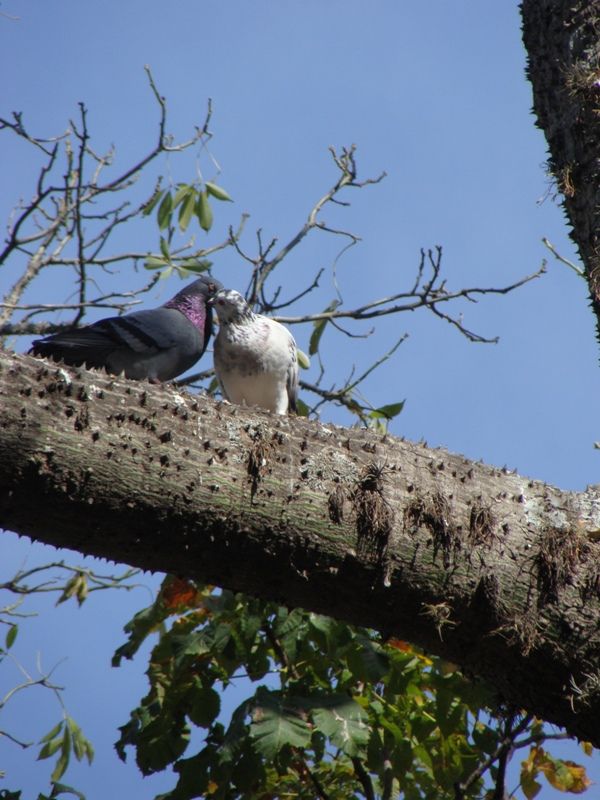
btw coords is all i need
(434, 94)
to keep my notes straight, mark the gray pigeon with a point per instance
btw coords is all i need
(255, 357)
(157, 344)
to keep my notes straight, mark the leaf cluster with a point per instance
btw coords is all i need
(333, 711)
(185, 201)
(66, 739)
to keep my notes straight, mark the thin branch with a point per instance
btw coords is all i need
(81, 266)
(346, 164)
(428, 299)
(506, 744)
(44, 680)
(290, 669)
(364, 778)
(577, 270)
(16, 584)
(270, 306)
(388, 777)
(377, 363)
(195, 378)
(344, 396)
(14, 739)
(33, 268)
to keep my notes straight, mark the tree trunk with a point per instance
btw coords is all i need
(493, 571)
(562, 38)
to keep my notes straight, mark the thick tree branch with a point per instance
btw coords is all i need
(342, 521)
(562, 38)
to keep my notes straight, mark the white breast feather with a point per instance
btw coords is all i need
(256, 364)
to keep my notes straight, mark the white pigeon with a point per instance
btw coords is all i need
(255, 356)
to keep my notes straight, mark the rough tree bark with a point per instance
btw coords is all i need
(496, 572)
(562, 38)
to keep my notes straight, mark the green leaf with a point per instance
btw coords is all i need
(237, 732)
(368, 660)
(326, 627)
(423, 755)
(529, 785)
(61, 766)
(319, 327)
(48, 750)
(82, 589)
(566, 776)
(301, 408)
(69, 590)
(151, 204)
(303, 359)
(205, 707)
(164, 211)
(61, 788)
(52, 733)
(164, 249)
(485, 738)
(204, 212)
(184, 191)
(75, 587)
(213, 386)
(89, 751)
(11, 636)
(159, 740)
(81, 746)
(194, 264)
(290, 629)
(63, 761)
(166, 273)
(345, 723)
(275, 725)
(154, 262)
(217, 192)
(587, 748)
(194, 775)
(387, 412)
(186, 210)
(139, 627)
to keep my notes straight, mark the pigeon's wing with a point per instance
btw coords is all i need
(292, 377)
(158, 344)
(149, 331)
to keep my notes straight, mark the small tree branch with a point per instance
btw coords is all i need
(364, 778)
(346, 164)
(501, 754)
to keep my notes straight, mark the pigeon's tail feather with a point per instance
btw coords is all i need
(76, 347)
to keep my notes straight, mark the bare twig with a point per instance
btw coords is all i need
(346, 164)
(577, 270)
(17, 584)
(428, 295)
(65, 212)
